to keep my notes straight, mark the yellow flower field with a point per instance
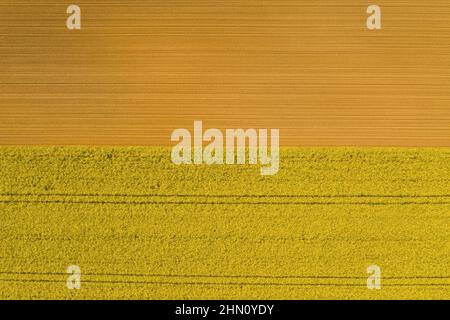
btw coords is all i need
(141, 227)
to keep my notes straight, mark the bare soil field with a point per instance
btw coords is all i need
(137, 70)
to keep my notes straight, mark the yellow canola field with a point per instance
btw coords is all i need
(141, 227)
